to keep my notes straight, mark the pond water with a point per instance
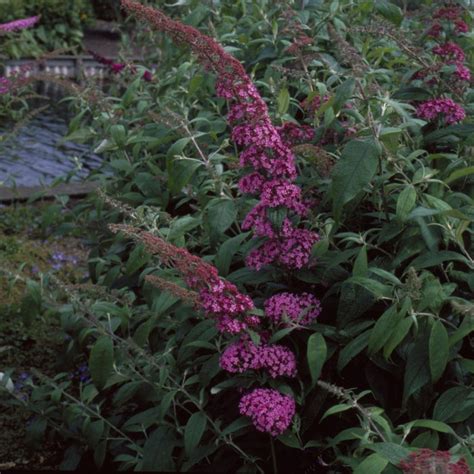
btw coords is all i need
(37, 153)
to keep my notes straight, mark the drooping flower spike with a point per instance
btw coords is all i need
(265, 151)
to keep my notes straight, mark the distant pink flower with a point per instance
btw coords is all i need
(426, 461)
(269, 410)
(292, 133)
(4, 85)
(461, 26)
(451, 51)
(435, 30)
(19, 24)
(445, 108)
(448, 13)
(462, 73)
(147, 76)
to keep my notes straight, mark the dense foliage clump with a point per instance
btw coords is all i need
(281, 254)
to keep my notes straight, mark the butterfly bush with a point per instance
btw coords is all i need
(21, 24)
(303, 308)
(270, 175)
(446, 109)
(426, 461)
(117, 68)
(269, 410)
(263, 149)
(245, 355)
(218, 298)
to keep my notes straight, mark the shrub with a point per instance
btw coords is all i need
(301, 281)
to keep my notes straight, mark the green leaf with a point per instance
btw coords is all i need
(227, 251)
(417, 372)
(195, 428)
(353, 172)
(433, 259)
(220, 214)
(390, 11)
(383, 329)
(157, 452)
(137, 259)
(101, 361)
(354, 347)
(373, 464)
(343, 93)
(180, 172)
(316, 354)
(240, 423)
(336, 409)
(119, 135)
(360, 264)
(283, 101)
(458, 174)
(432, 425)
(397, 336)
(375, 287)
(406, 202)
(439, 350)
(450, 402)
(393, 453)
(466, 327)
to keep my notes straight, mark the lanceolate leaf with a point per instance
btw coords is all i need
(417, 371)
(383, 329)
(101, 361)
(354, 171)
(316, 353)
(195, 428)
(439, 350)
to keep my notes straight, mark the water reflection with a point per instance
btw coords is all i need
(37, 153)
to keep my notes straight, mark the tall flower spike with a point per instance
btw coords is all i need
(265, 148)
(218, 298)
(17, 25)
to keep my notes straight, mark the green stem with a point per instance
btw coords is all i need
(274, 459)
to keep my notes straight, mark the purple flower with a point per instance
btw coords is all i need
(147, 76)
(19, 24)
(451, 51)
(244, 355)
(462, 73)
(5, 85)
(292, 248)
(303, 308)
(269, 410)
(432, 109)
(223, 301)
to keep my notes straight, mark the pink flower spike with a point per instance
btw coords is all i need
(17, 25)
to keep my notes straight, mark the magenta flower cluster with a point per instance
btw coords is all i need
(446, 109)
(223, 301)
(288, 307)
(271, 175)
(267, 154)
(117, 68)
(451, 52)
(269, 410)
(17, 25)
(448, 19)
(443, 109)
(244, 355)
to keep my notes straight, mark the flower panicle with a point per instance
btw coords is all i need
(21, 24)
